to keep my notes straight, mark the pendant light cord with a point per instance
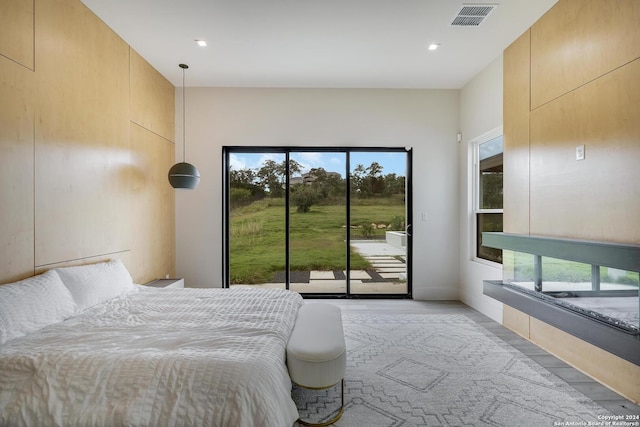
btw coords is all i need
(184, 126)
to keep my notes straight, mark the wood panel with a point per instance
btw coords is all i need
(152, 98)
(69, 178)
(516, 135)
(82, 151)
(616, 373)
(577, 41)
(124, 256)
(17, 31)
(597, 198)
(516, 320)
(153, 208)
(16, 171)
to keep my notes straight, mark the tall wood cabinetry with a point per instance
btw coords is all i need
(516, 107)
(573, 79)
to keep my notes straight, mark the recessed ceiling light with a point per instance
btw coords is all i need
(434, 46)
(201, 43)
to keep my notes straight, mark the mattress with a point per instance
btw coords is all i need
(159, 357)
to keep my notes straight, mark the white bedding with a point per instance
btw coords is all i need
(211, 357)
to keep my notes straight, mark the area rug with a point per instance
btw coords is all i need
(442, 370)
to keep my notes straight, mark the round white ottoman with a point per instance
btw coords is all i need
(316, 352)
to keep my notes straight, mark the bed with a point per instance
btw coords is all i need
(144, 356)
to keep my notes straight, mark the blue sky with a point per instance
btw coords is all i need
(391, 162)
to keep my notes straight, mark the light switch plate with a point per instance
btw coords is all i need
(580, 152)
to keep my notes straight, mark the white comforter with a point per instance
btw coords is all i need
(165, 357)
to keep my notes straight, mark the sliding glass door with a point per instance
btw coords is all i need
(317, 218)
(318, 221)
(256, 230)
(378, 190)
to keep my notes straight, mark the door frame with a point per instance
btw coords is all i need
(286, 150)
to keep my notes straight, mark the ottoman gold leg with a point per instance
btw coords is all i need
(338, 415)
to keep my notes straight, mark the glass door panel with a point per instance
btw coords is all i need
(295, 220)
(378, 241)
(257, 219)
(317, 222)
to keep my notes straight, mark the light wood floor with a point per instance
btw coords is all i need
(607, 398)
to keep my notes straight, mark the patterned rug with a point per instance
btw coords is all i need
(441, 370)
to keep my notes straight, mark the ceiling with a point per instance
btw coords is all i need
(316, 43)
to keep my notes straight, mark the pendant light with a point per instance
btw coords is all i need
(183, 174)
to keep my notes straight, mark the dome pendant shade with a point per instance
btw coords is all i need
(184, 175)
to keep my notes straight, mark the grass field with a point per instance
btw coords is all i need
(257, 237)
(558, 270)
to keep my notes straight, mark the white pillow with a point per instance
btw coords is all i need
(95, 283)
(32, 304)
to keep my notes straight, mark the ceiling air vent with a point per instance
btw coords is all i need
(472, 15)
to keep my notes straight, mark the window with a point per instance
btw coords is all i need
(488, 186)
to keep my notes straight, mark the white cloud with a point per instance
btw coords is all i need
(236, 163)
(276, 157)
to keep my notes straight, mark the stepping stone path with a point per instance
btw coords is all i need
(388, 267)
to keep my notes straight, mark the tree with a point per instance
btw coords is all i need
(357, 179)
(319, 181)
(294, 167)
(368, 181)
(393, 184)
(241, 178)
(337, 185)
(243, 188)
(375, 170)
(374, 179)
(270, 177)
(240, 197)
(304, 196)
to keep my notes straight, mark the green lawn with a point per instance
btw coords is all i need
(558, 270)
(257, 237)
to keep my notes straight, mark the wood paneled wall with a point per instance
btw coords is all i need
(17, 31)
(584, 90)
(579, 41)
(17, 121)
(86, 141)
(149, 94)
(516, 106)
(597, 198)
(578, 69)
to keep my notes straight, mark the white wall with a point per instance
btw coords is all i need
(480, 112)
(426, 120)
